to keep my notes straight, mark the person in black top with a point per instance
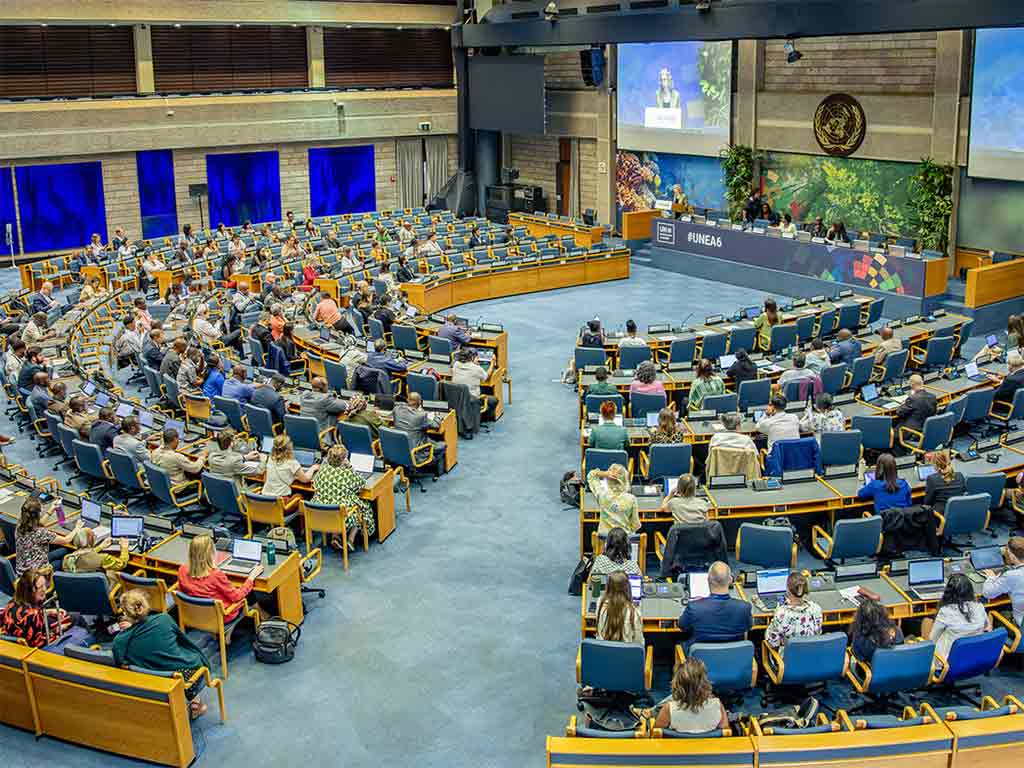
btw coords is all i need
(917, 407)
(743, 369)
(837, 232)
(594, 335)
(767, 213)
(873, 629)
(104, 430)
(34, 363)
(944, 484)
(817, 229)
(1014, 380)
(404, 273)
(753, 206)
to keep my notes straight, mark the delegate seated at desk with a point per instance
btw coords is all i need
(618, 617)
(25, 618)
(413, 419)
(632, 339)
(616, 556)
(887, 489)
(607, 435)
(594, 336)
(795, 617)
(176, 464)
(846, 350)
(764, 322)
(742, 369)
(889, 345)
(1014, 380)
(618, 507)
(682, 502)
(944, 483)
(718, 618)
(199, 577)
(1011, 581)
(730, 436)
(872, 628)
(320, 405)
(266, 394)
(959, 615)
(919, 405)
(227, 462)
(777, 424)
(706, 383)
(602, 386)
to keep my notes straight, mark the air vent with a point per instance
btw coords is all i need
(525, 15)
(645, 4)
(604, 8)
(568, 11)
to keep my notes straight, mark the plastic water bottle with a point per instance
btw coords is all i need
(58, 508)
(862, 468)
(271, 553)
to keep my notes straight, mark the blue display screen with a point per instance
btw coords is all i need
(342, 180)
(61, 205)
(244, 186)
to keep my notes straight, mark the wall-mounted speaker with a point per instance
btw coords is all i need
(197, 190)
(592, 66)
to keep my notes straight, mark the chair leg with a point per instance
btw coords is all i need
(366, 538)
(223, 654)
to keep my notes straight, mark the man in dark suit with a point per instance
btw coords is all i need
(266, 395)
(104, 430)
(1014, 380)
(917, 407)
(846, 349)
(717, 618)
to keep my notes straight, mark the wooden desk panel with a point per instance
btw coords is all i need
(730, 752)
(637, 225)
(994, 283)
(936, 276)
(15, 700)
(925, 746)
(470, 290)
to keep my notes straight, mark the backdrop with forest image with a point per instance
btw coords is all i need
(866, 195)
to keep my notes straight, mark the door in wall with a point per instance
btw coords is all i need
(563, 177)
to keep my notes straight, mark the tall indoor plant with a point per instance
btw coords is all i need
(931, 201)
(738, 171)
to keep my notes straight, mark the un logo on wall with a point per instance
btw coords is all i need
(839, 124)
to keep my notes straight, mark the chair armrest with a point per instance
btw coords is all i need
(940, 669)
(1011, 627)
(375, 445)
(429, 448)
(860, 684)
(140, 475)
(941, 524)
(911, 446)
(680, 654)
(317, 555)
(659, 545)
(327, 431)
(645, 463)
(579, 662)
(212, 682)
(816, 531)
(772, 662)
(176, 489)
(106, 469)
(649, 667)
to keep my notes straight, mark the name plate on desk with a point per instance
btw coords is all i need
(663, 205)
(663, 117)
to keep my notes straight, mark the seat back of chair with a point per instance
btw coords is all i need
(670, 460)
(593, 402)
(222, 494)
(682, 350)
(261, 421)
(232, 409)
(440, 346)
(602, 458)
(159, 482)
(957, 408)
(631, 356)
(976, 655)
(966, 514)
(304, 431)
(833, 377)
(89, 458)
(937, 431)
(588, 356)
(782, 337)
(7, 577)
(337, 375)
(720, 403)
(171, 388)
(642, 403)
(978, 405)
(357, 438)
(754, 392)
(67, 437)
(841, 448)
(994, 484)
(827, 323)
(849, 317)
(767, 546)
(87, 593)
(876, 431)
(742, 338)
(713, 346)
(815, 659)
(805, 328)
(265, 510)
(861, 372)
(155, 590)
(197, 407)
(405, 337)
(124, 468)
(857, 537)
(612, 666)
(939, 350)
(1017, 408)
(202, 613)
(895, 365)
(905, 667)
(92, 655)
(875, 310)
(395, 448)
(329, 518)
(730, 665)
(425, 385)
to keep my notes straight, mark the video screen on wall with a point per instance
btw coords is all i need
(675, 97)
(996, 148)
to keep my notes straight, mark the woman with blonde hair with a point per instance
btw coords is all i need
(618, 506)
(667, 430)
(283, 469)
(199, 577)
(944, 483)
(338, 484)
(154, 641)
(618, 617)
(684, 504)
(692, 707)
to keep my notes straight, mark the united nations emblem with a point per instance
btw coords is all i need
(839, 124)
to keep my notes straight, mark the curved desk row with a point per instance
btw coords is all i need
(539, 225)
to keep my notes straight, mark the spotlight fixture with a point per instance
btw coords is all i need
(238, 26)
(177, 26)
(792, 54)
(703, 6)
(551, 12)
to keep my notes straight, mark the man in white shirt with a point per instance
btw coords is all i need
(731, 437)
(210, 332)
(14, 358)
(431, 247)
(243, 299)
(151, 264)
(406, 234)
(95, 246)
(126, 249)
(777, 424)
(467, 371)
(799, 371)
(631, 339)
(129, 343)
(349, 260)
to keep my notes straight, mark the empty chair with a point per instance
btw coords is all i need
(849, 317)
(631, 356)
(833, 378)
(937, 432)
(875, 309)
(892, 671)
(588, 357)
(232, 409)
(85, 593)
(789, 455)
(767, 546)
(964, 516)
(840, 448)
(957, 408)
(337, 375)
(259, 420)
(682, 350)
(805, 328)
(405, 338)
(126, 475)
(1004, 414)
(860, 373)
(876, 432)
(938, 353)
(782, 337)
(978, 406)
(439, 346)
(304, 432)
(270, 511)
(90, 461)
(713, 346)
(994, 484)
(808, 660)
(357, 438)
(425, 385)
(666, 460)
(606, 665)
(721, 403)
(207, 615)
(826, 323)
(640, 403)
(600, 458)
(855, 537)
(223, 495)
(752, 393)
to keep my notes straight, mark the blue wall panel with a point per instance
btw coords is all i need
(155, 170)
(61, 205)
(242, 186)
(7, 210)
(342, 180)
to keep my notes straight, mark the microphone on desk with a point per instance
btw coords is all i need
(686, 319)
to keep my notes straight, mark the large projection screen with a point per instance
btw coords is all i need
(996, 148)
(506, 93)
(675, 97)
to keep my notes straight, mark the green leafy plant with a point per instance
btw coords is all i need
(738, 171)
(931, 203)
(714, 68)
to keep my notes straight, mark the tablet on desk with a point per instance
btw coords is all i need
(698, 586)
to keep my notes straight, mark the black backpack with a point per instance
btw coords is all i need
(570, 489)
(275, 641)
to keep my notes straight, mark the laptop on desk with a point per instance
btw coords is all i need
(246, 554)
(123, 410)
(362, 463)
(988, 558)
(926, 579)
(771, 584)
(972, 372)
(91, 517)
(125, 527)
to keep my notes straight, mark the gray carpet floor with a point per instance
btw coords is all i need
(454, 643)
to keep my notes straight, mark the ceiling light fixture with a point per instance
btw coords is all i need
(177, 26)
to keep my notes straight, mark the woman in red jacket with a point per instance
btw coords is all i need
(309, 275)
(201, 578)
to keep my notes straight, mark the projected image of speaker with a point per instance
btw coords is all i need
(592, 66)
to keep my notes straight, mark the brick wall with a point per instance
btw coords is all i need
(588, 174)
(536, 158)
(898, 63)
(562, 71)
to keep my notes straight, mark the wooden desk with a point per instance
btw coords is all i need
(15, 699)
(538, 226)
(164, 279)
(994, 283)
(93, 270)
(636, 225)
(729, 752)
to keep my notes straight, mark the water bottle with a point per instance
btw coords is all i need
(271, 553)
(861, 469)
(59, 509)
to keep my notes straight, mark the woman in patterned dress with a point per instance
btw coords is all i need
(338, 484)
(796, 616)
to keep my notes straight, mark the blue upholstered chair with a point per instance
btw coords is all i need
(588, 356)
(766, 546)
(601, 458)
(971, 657)
(841, 448)
(641, 403)
(593, 402)
(754, 393)
(900, 669)
(731, 667)
(806, 661)
(851, 538)
(610, 666)
(937, 432)
(631, 356)
(666, 460)
(964, 516)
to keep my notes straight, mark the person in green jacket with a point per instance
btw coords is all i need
(359, 413)
(602, 386)
(155, 642)
(608, 435)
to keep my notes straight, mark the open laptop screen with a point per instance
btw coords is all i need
(925, 572)
(91, 512)
(125, 527)
(247, 549)
(772, 581)
(987, 557)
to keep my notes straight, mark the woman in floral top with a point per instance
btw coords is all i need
(617, 504)
(822, 417)
(667, 430)
(32, 541)
(337, 483)
(796, 617)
